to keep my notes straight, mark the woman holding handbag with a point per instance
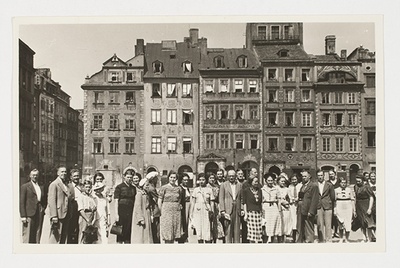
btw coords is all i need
(87, 208)
(102, 221)
(201, 212)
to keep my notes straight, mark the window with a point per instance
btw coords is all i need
(253, 88)
(325, 97)
(114, 122)
(289, 75)
(272, 95)
(283, 53)
(242, 61)
(262, 32)
(306, 95)
(274, 32)
(187, 117)
(371, 138)
(187, 67)
(289, 119)
(156, 90)
(130, 122)
(97, 145)
(338, 97)
(352, 119)
(351, 98)
(339, 119)
(339, 144)
(306, 144)
(130, 97)
(224, 109)
(239, 141)
(155, 145)
(99, 97)
(187, 145)
(287, 31)
(326, 119)
(156, 116)
(326, 144)
(130, 145)
(157, 67)
(171, 91)
(209, 86)
(289, 144)
(114, 97)
(272, 119)
(289, 95)
(370, 80)
(130, 76)
(305, 75)
(253, 110)
(238, 86)
(224, 141)
(97, 121)
(171, 116)
(223, 85)
(306, 119)
(209, 141)
(114, 145)
(272, 144)
(210, 112)
(171, 145)
(239, 112)
(353, 144)
(219, 62)
(114, 77)
(186, 90)
(370, 106)
(272, 75)
(253, 141)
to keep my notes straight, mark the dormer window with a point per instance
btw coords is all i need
(242, 61)
(283, 53)
(187, 67)
(219, 62)
(114, 76)
(157, 67)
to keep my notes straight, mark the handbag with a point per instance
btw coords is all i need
(116, 229)
(208, 208)
(355, 224)
(90, 234)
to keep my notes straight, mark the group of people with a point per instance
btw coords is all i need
(223, 206)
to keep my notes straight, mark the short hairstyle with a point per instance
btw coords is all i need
(211, 174)
(60, 167)
(334, 172)
(98, 174)
(202, 175)
(33, 170)
(87, 181)
(319, 170)
(342, 179)
(138, 174)
(73, 171)
(269, 174)
(239, 169)
(129, 172)
(372, 172)
(305, 171)
(171, 172)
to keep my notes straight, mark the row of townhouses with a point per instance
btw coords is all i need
(269, 105)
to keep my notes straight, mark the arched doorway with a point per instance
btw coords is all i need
(186, 169)
(247, 166)
(274, 169)
(354, 168)
(211, 167)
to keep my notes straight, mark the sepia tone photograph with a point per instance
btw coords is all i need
(198, 133)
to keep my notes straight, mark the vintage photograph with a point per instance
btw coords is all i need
(257, 132)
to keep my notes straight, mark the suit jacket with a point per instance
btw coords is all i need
(226, 198)
(327, 197)
(29, 201)
(310, 200)
(59, 197)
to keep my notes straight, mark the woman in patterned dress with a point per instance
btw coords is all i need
(344, 209)
(217, 230)
(271, 207)
(285, 209)
(170, 204)
(86, 208)
(252, 206)
(201, 205)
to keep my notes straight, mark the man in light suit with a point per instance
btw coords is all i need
(325, 207)
(31, 206)
(59, 198)
(307, 207)
(230, 207)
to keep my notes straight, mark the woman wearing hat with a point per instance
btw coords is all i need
(87, 208)
(141, 221)
(102, 221)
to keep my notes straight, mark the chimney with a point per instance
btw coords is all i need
(139, 47)
(194, 36)
(330, 44)
(343, 54)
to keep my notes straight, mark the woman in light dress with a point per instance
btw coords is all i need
(201, 207)
(293, 192)
(271, 209)
(285, 209)
(102, 221)
(87, 209)
(344, 209)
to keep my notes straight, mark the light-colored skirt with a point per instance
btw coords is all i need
(344, 213)
(273, 219)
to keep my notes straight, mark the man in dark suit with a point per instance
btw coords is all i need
(336, 184)
(246, 184)
(307, 207)
(31, 206)
(230, 207)
(325, 207)
(75, 188)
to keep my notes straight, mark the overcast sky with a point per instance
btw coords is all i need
(73, 51)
